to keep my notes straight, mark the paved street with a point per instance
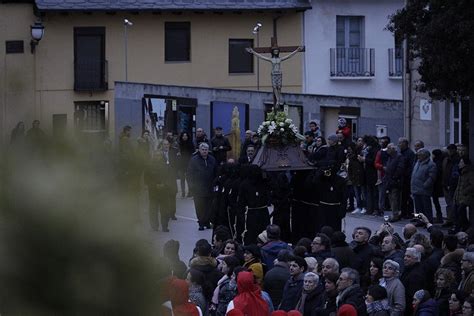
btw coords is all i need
(185, 229)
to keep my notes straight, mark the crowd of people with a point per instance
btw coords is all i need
(296, 259)
(375, 273)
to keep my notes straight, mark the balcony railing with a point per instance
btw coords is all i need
(91, 75)
(395, 62)
(352, 62)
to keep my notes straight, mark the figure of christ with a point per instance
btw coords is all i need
(277, 75)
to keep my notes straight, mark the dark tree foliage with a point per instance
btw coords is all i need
(440, 34)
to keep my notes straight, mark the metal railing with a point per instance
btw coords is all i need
(395, 62)
(352, 62)
(91, 75)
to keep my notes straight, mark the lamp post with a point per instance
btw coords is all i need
(126, 24)
(256, 31)
(37, 32)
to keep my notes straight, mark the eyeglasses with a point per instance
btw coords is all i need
(389, 268)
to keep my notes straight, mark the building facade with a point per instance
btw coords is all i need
(349, 53)
(68, 81)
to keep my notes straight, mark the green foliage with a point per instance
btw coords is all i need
(439, 34)
(279, 128)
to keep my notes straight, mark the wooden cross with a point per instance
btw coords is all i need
(282, 49)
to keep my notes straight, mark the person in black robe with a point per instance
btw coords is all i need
(331, 195)
(253, 201)
(280, 197)
(304, 207)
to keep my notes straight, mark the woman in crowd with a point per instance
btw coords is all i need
(319, 151)
(468, 306)
(445, 282)
(423, 304)
(252, 262)
(230, 248)
(394, 287)
(226, 287)
(377, 302)
(329, 295)
(186, 149)
(456, 301)
(195, 280)
(18, 134)
(374, 274)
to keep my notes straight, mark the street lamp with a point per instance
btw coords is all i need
(256, 31)
(126, 24)
(37, 32)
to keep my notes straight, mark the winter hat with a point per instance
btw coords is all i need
(279, 313)
(253, 249)
(347, 310)
(419, 295)
(333, 137)
(341, 122)
(294, 313)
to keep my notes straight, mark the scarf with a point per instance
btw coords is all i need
(300, 305)
(249, 300)
(378, 306)
(215, 295)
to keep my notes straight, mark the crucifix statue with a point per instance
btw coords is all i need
(276, 60)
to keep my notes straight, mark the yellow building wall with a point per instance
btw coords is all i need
(17, 93)
(53, 62)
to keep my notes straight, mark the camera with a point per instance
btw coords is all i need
(417, 215)
(386, 218)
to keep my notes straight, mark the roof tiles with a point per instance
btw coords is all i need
(170, 5)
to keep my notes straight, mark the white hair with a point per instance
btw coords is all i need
(313, 276)
(415, 253)
(203, 145)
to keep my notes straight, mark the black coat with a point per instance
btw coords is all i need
(274, 282)
(314, 300)
(344, 255)
(292, 292)
(393, 178)
(355, 297)
(220, 154)
(413, 278)
(364, 254)
(201, 174)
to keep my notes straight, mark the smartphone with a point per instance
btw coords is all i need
(386, 218)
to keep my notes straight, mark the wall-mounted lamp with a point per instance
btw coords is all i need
(37, 32)
(256, 31)
(257, 28)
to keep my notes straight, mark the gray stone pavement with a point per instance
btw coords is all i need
(185, 229)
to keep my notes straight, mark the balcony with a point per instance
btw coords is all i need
(352, 63)
(91, 75)
(395, 63)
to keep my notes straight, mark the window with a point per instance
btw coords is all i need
(349, 31)
(91, 117)
(177, 41)
(90, 66)
(240, 61)
(350, 58)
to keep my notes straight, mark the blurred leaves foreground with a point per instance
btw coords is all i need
(69, 239)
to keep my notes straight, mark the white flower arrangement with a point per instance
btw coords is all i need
(280, 128)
